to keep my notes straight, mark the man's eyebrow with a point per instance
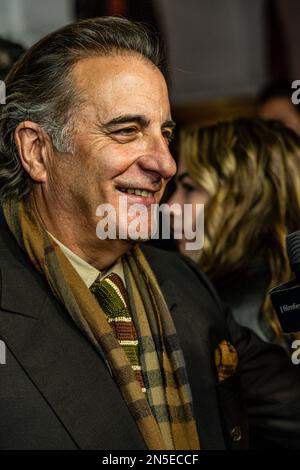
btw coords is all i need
(169, 123)
(127, 118)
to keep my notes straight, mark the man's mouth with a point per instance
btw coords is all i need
(137, 192)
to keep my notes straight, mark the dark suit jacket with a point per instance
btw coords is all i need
(56, 392)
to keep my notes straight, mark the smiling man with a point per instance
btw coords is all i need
(110, 345)
(119, 147)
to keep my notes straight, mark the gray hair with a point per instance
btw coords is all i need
(39, 87)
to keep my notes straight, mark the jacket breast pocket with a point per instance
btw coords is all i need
(233, 413)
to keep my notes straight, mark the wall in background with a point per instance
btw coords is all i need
(287, 27)
(216, 47)
(219, 50)
(26, 21)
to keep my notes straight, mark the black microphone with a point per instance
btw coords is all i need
(286, 297)
(293, 251)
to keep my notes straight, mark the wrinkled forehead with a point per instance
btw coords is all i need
(123, 84)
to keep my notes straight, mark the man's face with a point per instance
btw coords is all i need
(121, 138)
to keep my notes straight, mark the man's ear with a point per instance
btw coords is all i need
(34, 147)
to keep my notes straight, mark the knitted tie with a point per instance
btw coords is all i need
(111, 295)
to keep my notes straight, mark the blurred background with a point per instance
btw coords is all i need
(221, 53)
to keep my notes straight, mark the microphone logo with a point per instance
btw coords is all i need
(286, 297)
(287, 308)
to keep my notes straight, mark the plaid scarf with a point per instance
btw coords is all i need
(165, 416)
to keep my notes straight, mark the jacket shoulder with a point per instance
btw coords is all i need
(181, 270)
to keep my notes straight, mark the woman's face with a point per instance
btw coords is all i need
(187, 192)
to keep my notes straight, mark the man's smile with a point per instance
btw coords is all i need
(137, 192)
(140, 195)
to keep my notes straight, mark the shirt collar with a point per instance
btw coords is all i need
(86, 271)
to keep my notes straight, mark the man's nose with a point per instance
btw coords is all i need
(158, 159)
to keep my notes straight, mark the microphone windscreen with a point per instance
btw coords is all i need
(293, 250)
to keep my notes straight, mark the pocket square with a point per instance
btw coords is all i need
(226, 360)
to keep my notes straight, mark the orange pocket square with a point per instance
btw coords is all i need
(226, 360)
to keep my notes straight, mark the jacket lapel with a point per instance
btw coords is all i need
(197, 346)
(197, 355)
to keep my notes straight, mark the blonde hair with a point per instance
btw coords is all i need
(251, 170)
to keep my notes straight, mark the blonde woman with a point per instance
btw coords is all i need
(247, 172)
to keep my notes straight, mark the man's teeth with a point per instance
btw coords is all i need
(137, 192)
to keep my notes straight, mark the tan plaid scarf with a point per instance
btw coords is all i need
(165, 418)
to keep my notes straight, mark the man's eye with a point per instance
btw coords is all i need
(127, 131)
(168, 135)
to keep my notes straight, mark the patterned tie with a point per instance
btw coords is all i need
(111, 295)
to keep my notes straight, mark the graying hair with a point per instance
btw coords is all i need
(39, 87)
